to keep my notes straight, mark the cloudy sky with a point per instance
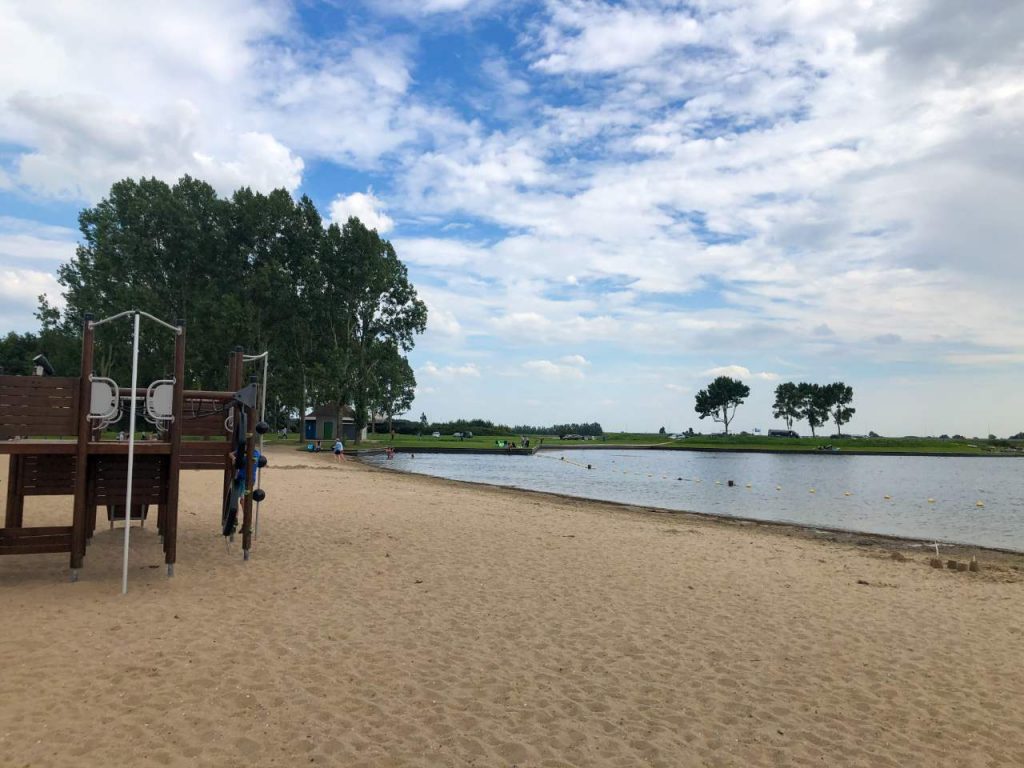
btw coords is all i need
(604, 204)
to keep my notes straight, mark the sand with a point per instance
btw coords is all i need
(390, 620)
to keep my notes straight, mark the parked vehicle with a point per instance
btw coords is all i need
(782, 433)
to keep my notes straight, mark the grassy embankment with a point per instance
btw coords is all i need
(719, 442)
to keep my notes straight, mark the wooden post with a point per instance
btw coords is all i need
(250, 471)
(79, 523)
(170, 517)
(15, 500)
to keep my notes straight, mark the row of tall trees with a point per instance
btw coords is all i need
(333, 305)
(815, 403)
(488, 427)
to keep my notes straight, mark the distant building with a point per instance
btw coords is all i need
(322, 424)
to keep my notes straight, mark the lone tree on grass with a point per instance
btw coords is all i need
(787, 403)
(839, 398)
(814, 405)
(721, 399)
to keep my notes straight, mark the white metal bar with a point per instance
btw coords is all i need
(263, 417)
(131, 456)
(119, 315)
(97, 323)
(175, 328)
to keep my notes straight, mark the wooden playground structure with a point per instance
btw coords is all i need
(51, 428)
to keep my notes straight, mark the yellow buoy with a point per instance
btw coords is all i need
(931, 501)
(887, 496)
(748, 485)
(718, 482)
(778, 487)
(847, 493)
(979, 503)
(813, 491)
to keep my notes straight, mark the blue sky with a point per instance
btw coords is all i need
(604, 204)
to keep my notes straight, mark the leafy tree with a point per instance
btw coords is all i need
(258, 270)
(396, 387)
(839, 397)
(814, 405)
(721, 395)
(661, 431)
(17, 351)
(377, 304)
(787, 404)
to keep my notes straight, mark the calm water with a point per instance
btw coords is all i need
(780, 487)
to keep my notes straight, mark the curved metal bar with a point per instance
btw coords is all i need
(118, 316)
(176, 328)
(97, 323)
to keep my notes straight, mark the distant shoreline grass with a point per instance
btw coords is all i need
(739, 443)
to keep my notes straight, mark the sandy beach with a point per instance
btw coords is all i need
(392, 620)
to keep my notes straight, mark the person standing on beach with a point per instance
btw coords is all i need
(339, 450)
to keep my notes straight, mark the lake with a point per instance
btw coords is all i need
(930, 498)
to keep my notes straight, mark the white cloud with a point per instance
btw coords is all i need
(367, 207)
(739, 372)
(177, 83)
(23, 240)
(419, 8)
(603, 38)
(451, 371)
(19, 289)
(575, 360)
(552, 370)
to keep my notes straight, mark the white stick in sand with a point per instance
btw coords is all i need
(131, 456)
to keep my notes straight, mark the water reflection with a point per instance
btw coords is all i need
(918, 497)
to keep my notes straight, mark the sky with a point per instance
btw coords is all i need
(604, 204)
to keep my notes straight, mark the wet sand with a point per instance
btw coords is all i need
(390, 620)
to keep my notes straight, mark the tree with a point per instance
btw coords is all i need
(839, 397)
(372, 297)
(814, 405)
(396, 387)
(721, 395)
(787, 403)
(332, 306)
(661, 431)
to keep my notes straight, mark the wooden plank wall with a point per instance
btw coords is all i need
(44, 475)
(32, 541)
(38, 406)
(204, 418)
(110, 478)
(203, 455)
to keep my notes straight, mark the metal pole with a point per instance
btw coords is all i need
(263, 417)
(131, 456)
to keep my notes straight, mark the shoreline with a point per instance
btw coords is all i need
(788, 528)
(695, 449)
